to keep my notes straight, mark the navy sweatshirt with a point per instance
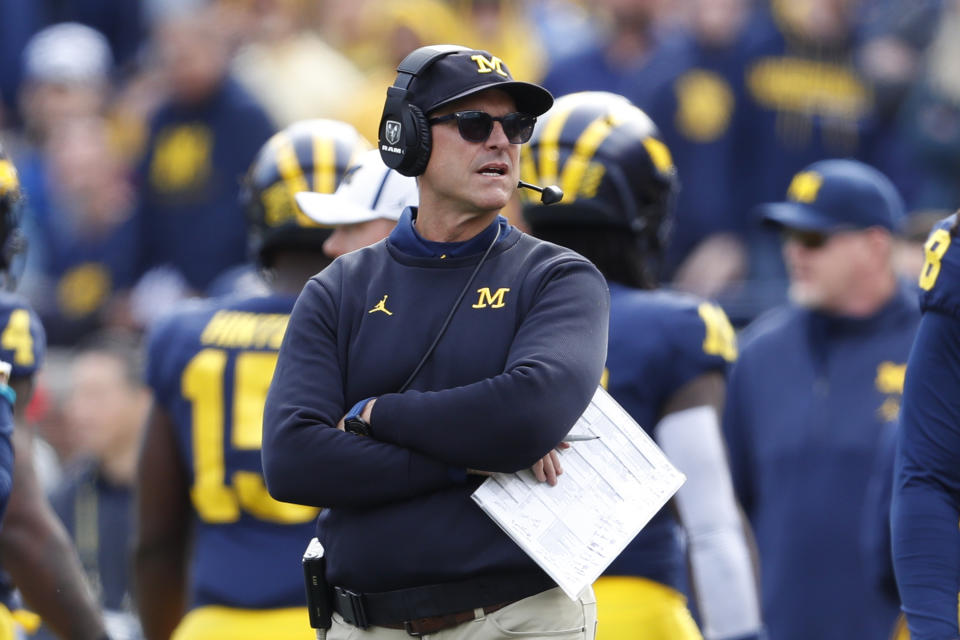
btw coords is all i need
(516, 367)
(926, 491)
(808, 401)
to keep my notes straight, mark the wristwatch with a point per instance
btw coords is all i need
(353, 423)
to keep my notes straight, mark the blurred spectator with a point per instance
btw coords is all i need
(83, 253)
(564, 26)
(290, 69)
(54, 444)
(20, 21)
(66, 69)
(120, 21)
(625, 53)
(892, 40)
(394, 28)
(106, 406)
(201, 141)
(694, 108)
(503, 26)
(804, 101)
(931, 118)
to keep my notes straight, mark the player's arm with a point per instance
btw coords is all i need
(306, 459)
(510, 420)
(36, 550)
(722, 557)
(926, 492)
(163, 525)
(7, 399)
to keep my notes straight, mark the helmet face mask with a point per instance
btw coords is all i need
(310, 155)
(615, 172)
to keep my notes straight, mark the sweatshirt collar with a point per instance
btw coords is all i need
(406, 238)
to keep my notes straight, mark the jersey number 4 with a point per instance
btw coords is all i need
(16, 337)
(203, 385)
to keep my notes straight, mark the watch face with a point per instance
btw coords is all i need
(356, 425)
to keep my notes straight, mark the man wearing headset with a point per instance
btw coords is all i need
(456, 347)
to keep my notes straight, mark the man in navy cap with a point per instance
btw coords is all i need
(410, 368)
(817, 386)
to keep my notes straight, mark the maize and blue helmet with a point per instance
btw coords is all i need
(615, 172)
(12, 242)
(310, 155)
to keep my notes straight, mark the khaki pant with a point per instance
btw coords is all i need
(550, 614)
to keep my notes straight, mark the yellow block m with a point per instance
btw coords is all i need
(494, 301)
(486, 66)
(804, 187)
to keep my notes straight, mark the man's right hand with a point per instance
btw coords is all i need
(546, 469)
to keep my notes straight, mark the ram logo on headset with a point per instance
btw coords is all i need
(392, 133)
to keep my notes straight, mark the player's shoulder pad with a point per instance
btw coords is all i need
(689, 324)
(23, 341)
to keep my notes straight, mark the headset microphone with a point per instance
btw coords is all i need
(548, 195)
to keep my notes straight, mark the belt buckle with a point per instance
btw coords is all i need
(354, 606)
(408, 627)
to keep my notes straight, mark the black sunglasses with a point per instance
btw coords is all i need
(806, 239)
(476, 126)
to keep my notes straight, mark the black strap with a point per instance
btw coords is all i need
(453, 310)
(393, 607)
(419, 59)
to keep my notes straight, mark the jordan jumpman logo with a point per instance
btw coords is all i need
(381, 306)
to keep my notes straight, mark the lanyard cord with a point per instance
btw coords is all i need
(453, 310)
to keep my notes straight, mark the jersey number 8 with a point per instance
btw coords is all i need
(935, 248)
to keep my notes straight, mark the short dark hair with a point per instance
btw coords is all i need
(612, 251)
(124, 345)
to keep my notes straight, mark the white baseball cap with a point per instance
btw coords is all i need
(369, 190)
(68, 53)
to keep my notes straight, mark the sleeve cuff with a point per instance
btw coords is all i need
(457, 475)
(8, 394)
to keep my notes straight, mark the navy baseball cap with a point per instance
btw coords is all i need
(470, 71)
(837, 195)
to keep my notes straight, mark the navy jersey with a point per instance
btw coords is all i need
(808, 401)
(210, 366)
(659, 341)
(23, 344)
(926, 493)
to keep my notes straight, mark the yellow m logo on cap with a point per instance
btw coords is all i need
(8, 178)
(805, 186)
(486, 66)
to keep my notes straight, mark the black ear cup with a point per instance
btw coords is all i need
(393, 128)
(419, 142)
(404, 135)
(405, 138)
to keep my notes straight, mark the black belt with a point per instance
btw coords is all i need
(393, 608)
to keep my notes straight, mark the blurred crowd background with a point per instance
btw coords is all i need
(132, 124)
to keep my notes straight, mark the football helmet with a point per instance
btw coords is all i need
(310, 155)
(615, 172)
(12, 242)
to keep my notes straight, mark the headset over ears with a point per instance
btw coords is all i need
(405, 138)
